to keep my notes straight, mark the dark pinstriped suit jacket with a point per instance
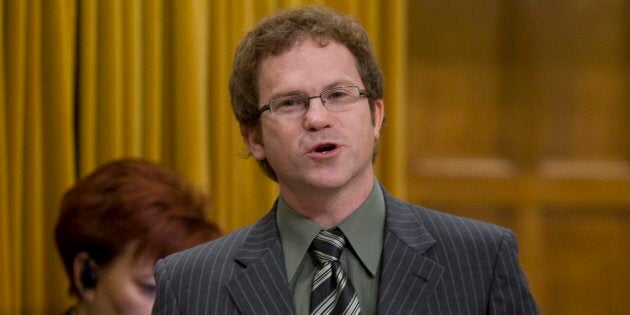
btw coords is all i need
(433, 263)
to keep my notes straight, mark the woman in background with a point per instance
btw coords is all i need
(116, 223)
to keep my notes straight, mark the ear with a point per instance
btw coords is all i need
(86, 293)
(379, 117)
(253, 139)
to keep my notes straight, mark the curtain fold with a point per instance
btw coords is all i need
(14, 108)
(189, 84)
(58, 167)
(152, 78)
(33, 242)
(5, 237)
(392, 164)
(85, 82)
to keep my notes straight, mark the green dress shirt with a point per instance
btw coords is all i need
(364, 229)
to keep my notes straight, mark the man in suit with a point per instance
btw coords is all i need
(307, 92)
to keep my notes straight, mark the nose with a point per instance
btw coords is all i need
(316, 116)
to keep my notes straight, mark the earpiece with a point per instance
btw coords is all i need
(89, 274)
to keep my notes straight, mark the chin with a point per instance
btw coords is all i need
(329, 181)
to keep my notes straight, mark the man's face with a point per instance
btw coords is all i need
(319, 149)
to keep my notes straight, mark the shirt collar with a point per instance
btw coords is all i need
(364, 229)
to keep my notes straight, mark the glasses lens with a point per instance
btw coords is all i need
(341, 98)
(289, 105)
(336, 100)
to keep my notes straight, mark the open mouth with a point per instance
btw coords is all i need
(325, 148)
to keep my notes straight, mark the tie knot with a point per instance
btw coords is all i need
(328, 244)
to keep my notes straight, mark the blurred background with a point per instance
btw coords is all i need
(513, 112)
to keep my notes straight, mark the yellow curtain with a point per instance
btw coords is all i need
(84, 82)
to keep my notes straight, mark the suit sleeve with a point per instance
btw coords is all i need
(509, 292)
(165, 300)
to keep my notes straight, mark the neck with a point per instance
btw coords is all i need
(327, 207)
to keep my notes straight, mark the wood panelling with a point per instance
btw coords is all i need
(585, 258)
(519, 115)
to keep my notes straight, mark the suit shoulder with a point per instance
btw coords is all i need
(457, 236)
(436, 220)
(465, 234)
(447, 221)
(448, 228)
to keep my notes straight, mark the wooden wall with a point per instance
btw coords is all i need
(520, 115)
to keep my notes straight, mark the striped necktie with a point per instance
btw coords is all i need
(332, 292)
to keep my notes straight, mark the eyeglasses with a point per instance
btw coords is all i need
(338, 99)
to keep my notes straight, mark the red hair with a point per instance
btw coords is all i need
(126, 201)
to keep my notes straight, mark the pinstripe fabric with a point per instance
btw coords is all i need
(432, 263)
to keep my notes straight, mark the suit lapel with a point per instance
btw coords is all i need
(262, 286)
(408, 277)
